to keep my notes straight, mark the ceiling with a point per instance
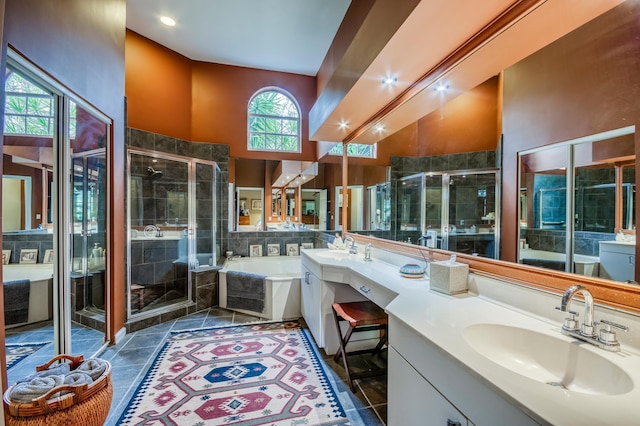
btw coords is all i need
(280, 35)
(465, 44)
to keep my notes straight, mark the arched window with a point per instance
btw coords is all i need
(274, 121)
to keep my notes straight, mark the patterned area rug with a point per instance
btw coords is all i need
(258, 374)
(16, 352)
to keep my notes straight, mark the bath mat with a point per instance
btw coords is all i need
(16, 352)
(257, 374)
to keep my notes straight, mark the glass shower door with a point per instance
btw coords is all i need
(205, 232)
(88, 137)
(472, 207)
(159, 215)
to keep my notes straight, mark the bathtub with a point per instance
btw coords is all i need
(40, 289)
(282, 284)
(583, 265)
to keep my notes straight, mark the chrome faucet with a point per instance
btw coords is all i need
(606, 339)
(353, 249)
(587, 328)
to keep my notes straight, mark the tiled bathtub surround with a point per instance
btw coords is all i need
(554, 240)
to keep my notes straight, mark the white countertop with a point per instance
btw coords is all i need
(441, 319)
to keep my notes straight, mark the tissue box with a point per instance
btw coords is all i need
(449, 278)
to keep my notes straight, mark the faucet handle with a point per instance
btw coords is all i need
(607, 336)
(570, 322)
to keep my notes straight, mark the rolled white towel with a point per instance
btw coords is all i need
(27, 391)
(94, 367)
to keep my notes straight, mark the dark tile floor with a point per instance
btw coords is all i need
(131, 358)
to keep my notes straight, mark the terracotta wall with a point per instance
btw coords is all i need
(467, 123)
(81, 44)
(585, 83)
(221, 95)
(158, 88)
(204, 102)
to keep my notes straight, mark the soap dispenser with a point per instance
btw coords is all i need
(97, 251)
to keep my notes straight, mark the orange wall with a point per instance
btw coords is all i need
(172, 95)
(221, 94)
(467, 123)
(158, 88)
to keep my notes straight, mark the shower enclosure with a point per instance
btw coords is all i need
(455, 211)
(171, 228)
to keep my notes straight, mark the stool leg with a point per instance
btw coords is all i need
(383, 340)
(342, 351)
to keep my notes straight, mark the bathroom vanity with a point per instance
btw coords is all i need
(492, 356)
(617, 260)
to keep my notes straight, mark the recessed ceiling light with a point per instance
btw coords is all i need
(389, 80)
(169, 22)
(441, 87)
(378, 128)
(343, 124)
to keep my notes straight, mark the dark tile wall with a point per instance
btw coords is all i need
(239, 242)
(18, 241)
(585, 243)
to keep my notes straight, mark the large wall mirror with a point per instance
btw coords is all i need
(561, 140)
(579, 199)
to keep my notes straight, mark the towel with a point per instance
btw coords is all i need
(54, 370)
(245, 291)
(94, 367)
(16, 301)
(27, 391)
(76, 378)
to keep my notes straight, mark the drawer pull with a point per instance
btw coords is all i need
(364, 289)
(306, 277)
(453, 423)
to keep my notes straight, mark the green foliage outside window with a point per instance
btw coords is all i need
(355, 150)
(29, 110)
(274, 122)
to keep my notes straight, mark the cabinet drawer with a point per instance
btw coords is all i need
(373, 291)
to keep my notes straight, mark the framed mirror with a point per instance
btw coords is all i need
(541, 100)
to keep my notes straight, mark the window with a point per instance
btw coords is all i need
(29, 110)
(355, 150)
(274, 122)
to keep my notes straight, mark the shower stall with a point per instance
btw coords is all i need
(172, 230)
(457, 211)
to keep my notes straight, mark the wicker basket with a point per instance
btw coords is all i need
(86, 405)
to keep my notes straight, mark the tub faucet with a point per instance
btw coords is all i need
(353, 249)
(605, 339)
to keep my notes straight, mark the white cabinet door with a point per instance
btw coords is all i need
(413, 401)
(310, 306)
(617, 261)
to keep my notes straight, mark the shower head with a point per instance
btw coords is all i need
(153, 173)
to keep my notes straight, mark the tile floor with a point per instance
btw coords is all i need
(131, 358)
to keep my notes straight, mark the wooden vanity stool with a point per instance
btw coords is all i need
(362, 316)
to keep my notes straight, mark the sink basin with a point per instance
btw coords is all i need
(547, 359)
(334, 254)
